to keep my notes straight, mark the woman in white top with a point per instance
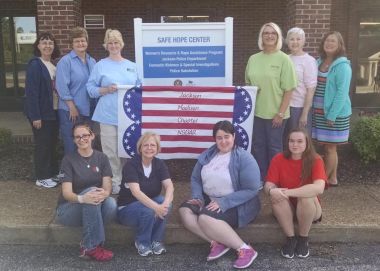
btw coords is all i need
(307, 72)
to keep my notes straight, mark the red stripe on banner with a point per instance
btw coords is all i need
(187, 138)
(173, 113)
(153, 100)
(194, 126)
(182, 150)
(189, 89)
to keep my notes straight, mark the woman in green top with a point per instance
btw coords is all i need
(273, 73)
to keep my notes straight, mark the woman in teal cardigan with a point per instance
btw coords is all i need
(332, 105)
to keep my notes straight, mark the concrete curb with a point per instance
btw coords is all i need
(120, 235)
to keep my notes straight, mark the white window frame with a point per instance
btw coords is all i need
(93, 21)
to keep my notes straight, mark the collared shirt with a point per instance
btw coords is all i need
(72, 76)
(105, 73)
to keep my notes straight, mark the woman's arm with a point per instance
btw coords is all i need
(91, 197)
(169, 191)
(307, 191)
(306, 106)
(279, 117)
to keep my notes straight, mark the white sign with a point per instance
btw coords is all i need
(184, 54)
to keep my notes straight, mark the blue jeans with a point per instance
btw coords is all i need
(91, 217)
(66, 127)
(266, 143)
(293, 121)
(142, 219)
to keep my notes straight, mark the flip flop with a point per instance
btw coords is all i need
(333, 184)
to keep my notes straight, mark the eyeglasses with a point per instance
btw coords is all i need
(269, 34)
(149, 145)
(84, 137)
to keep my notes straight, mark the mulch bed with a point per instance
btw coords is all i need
(16, 163)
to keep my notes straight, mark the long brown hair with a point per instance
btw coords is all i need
(308, 156)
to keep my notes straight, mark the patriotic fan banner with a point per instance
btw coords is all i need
(183, 117)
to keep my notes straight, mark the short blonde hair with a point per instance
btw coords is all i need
(145, 136)
(295, 30)
(113, 35)
(279, 36)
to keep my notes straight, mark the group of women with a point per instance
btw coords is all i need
(297, 98)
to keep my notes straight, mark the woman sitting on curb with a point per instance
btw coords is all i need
(295, 179)
(140, 203)
(224, 185)
(86, 189)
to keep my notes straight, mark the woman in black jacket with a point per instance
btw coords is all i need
(41, 106)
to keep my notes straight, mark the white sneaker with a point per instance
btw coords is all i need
(48, 183)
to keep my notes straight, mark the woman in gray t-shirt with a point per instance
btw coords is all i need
(86, 187)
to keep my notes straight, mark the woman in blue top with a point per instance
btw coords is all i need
(41, 107)
(225, 187)
(107, 74)
(73, 71)
(331, 104)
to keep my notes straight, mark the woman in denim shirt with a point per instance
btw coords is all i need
(224, 185)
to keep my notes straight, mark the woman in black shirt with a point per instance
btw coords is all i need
(140, 203)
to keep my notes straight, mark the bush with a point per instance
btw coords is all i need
(365, 137)
(5, 137)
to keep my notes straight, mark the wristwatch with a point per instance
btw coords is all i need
(281, 115)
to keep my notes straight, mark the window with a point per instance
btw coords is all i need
(184, 19)
(94, 21)
(368, 69)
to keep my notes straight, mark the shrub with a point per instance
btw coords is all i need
(5, 137)
(365, 137)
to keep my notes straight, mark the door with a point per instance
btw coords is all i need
(17, 35)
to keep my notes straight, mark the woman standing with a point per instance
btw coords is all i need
(225, 195)
(86, 187)
(73, 71)
(295, 179)
(140, 204)
(331, 104)
(307, 72)
(273, 73)
(41, 107)
(107, 74)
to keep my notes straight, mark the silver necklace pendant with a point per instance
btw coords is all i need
(88, 166)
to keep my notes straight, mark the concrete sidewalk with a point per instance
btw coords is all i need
(351, 213)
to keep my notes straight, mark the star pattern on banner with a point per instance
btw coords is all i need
(242, 110)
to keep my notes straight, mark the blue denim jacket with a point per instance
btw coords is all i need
(245, 177)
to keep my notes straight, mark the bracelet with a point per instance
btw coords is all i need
(80, 199)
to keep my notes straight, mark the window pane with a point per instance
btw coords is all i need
(368, 72)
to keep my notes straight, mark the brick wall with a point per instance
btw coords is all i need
(58, 17)
(247, 21)
(313, 16)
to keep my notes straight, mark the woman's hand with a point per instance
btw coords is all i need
(112, 88)
(277, 121)
(302, 121)
(330, 123)
(74, 114)
(277, 195)
(95, 196)
(37, 124)
(213, 206)
(197, 202)
(162, 210)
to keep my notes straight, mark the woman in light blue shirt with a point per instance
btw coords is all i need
(73, 71)
(107, 74)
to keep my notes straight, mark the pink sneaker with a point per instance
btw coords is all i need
(246, 256)
(217, 251)
(98, 254)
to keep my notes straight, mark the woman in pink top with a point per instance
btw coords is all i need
(307, 72)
